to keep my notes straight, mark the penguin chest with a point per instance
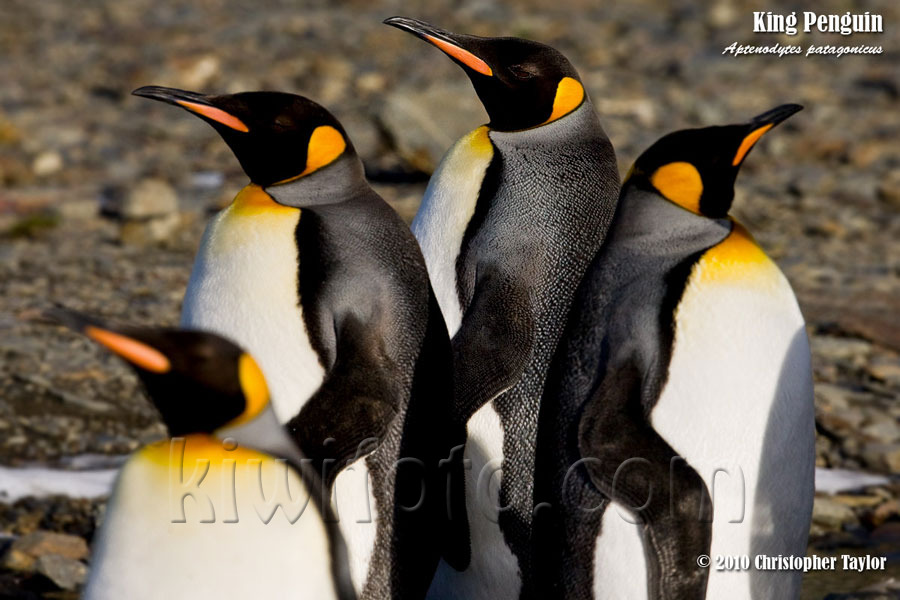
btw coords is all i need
(493, 572)
(244, 285)
(188, 515)
(738, 406)
(447, 207)
(355, 506)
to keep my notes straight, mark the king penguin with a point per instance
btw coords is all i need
(227, 453)
(324, 284)
(512, 216)
(678, 418)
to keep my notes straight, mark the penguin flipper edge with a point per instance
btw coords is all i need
(630, 463)
(494, 344)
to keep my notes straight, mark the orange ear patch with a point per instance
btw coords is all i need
(216, 114)
(748, 143)
(326, 144)
(679, 182)
(135, 352)
(253, 384)
(463, 56)
(569, 95)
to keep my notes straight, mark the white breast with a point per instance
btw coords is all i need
(357, 513)
(446, 210)
(620, 570)
(738, 407)
(244, 286)
(493, 573)
(141, 554)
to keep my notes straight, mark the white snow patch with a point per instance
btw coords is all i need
(832, 481)
(17, 483)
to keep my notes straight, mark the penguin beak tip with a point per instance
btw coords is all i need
(413, 26)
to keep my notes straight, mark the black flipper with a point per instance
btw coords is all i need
(353, 408)
(439, 526)
(494, 344)
(669, 497)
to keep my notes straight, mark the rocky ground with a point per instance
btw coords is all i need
(103, 197)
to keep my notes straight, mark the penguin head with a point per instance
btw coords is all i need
(199, 381)
(521, 83)
(276, 136)
(697, 168)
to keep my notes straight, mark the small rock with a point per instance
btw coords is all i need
(196, 74)
(886, 430)
(23, 552)
(371, 82)
(425, 123)
(888, 371)
(889, 190)
(150, 231)
(882, 457)
(833, 397)
(830, 514)
(857, 500)
(47, 163)
(886, 511)
(839, 348)
(888, 589)
(150, 198)
(65, 573)
(78, 210)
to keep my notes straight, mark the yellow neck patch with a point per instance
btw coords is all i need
(569, 96)
(253, 384)
(478, 141)
(679, 182)
(254, 201)
(748, 142)
(196, 448)
(326, 144)
(737, 258)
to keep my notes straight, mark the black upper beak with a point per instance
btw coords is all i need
(776, 115)
(171, 95)
(460, 48)
(420, 29)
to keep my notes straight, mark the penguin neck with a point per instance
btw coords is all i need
(341, 180)
(580, 124)
(649, 224)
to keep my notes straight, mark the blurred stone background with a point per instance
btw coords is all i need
(103, 197)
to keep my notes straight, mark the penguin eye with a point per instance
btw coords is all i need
(522, 71)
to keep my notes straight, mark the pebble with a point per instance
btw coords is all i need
(150, 198)
(24, 551)
(882, 457)
(65, 573)
(830, 514)
(47, 163)
(884, 430)
(423, 124)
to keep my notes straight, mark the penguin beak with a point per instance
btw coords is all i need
(199, 104)
(759, 125)
(451, 44)
(130, 348)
